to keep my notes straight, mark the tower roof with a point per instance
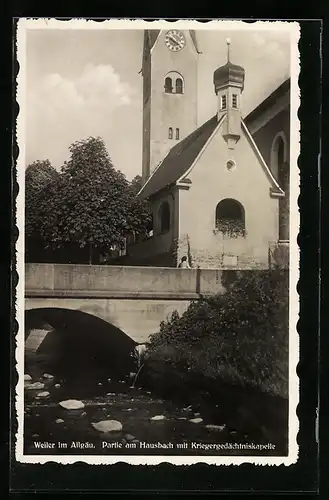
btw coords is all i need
(229, 73)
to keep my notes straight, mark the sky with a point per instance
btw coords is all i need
(82, 83)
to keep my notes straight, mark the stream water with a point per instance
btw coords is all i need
(95, 375)
(181, 429)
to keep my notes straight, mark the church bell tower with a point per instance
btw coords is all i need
(229, 84)
(169, 70)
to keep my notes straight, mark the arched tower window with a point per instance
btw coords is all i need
(174, 83)
(230, 218)
(170, 133)
(179, 86)
(177, 134)
(223, 102)
(164, 215)
(168, 85)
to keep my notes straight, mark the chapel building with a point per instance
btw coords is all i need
(220, 191)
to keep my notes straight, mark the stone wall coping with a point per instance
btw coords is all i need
(101, 294)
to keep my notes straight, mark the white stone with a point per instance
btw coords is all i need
(99, 383)
(72, 404)
(57, 385)
(47, 375)
(196, 420)
(59, 421)
(44, 394)
(129, 437)
(107, 426)
(27, 377)
(158, 417)
(181, 418)
(110, 394)
(36, 385)
(109, 380)
(213, 427)
(197, 414)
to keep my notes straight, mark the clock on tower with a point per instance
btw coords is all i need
(175, 40)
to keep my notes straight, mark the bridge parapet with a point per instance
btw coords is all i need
(49, 280)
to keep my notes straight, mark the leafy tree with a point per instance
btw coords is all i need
(136, 184)
(38, 176)
(91, 203)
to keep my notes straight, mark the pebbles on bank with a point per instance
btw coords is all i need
(72, 404)
(213, 427)
(196, 420)
(44, 394)
(107, 426)
(35, 385)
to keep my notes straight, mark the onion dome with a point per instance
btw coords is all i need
(229, 73)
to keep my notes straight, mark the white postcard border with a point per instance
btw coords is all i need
(44, 23)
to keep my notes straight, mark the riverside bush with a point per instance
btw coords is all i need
(239, 338)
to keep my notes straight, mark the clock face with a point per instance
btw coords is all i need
(175, 40)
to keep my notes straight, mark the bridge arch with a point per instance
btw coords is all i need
(66, 341)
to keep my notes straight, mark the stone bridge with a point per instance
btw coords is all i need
(134, 299)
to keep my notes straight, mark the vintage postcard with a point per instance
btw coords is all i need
(157, 252)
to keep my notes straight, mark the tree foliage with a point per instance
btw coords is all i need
(38, 176)
(240, 337)
(89, 203)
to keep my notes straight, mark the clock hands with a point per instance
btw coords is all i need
(173, 40)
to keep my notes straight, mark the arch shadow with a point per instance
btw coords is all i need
(78, 344)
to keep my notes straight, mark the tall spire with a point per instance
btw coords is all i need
(228, 43)
(229, 73)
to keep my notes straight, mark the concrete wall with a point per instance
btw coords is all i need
(135, 299)
(212, 182)
(49, 280)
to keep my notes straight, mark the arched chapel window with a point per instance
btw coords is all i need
(177, 134)
(164, 213)
(170, 133)
(168, 85)
(278, 157)
(179, 86)
(230, 218)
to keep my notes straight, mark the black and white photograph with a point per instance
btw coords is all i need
(157, 251)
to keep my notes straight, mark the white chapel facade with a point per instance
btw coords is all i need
(214, 198)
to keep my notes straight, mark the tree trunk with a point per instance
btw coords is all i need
(90, 253)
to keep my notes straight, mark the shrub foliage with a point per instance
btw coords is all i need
(240, 337)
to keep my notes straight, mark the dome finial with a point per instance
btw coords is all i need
(228, 43)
